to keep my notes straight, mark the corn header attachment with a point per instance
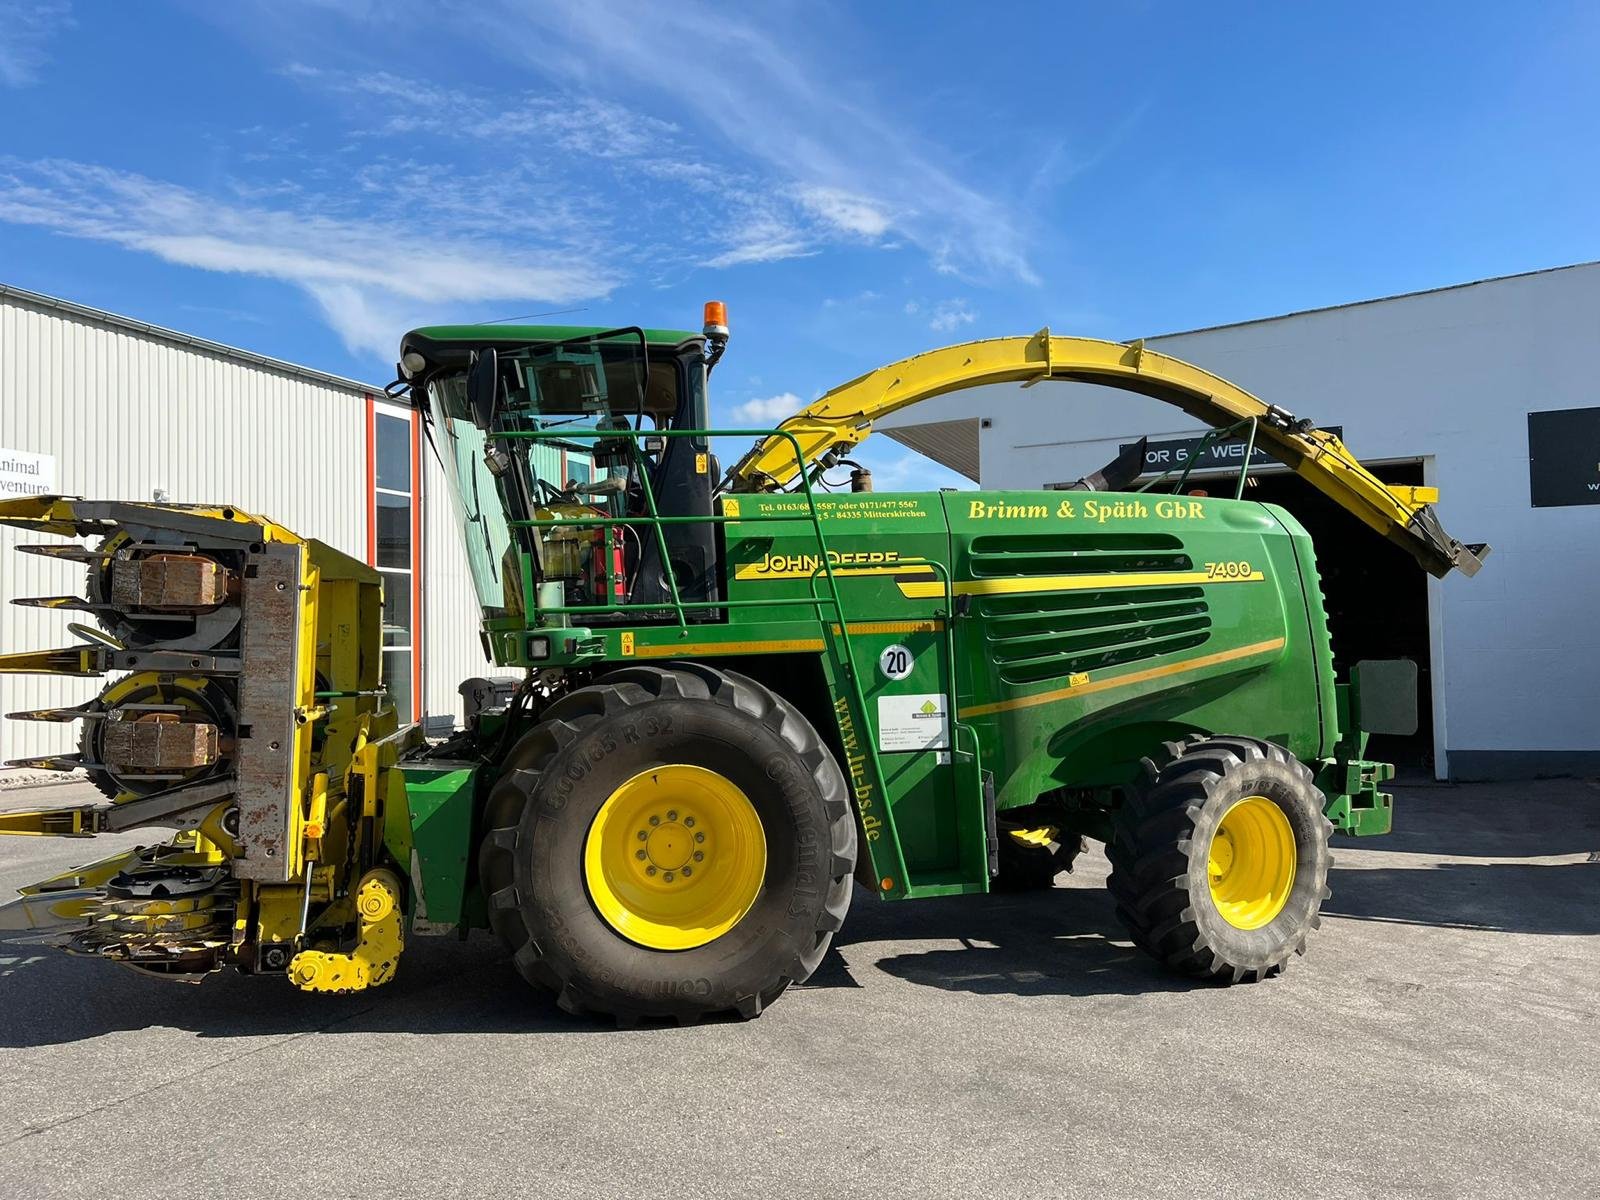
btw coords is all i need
(244, 716)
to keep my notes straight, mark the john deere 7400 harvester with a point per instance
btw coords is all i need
(734, 696)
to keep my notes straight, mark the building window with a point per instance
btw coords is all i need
(394, 527)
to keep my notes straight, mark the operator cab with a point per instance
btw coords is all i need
(558, 444)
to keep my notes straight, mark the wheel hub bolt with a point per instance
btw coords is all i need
(672, 814)
(654, 820)
(640, 854)
(668, 877)
(689, 822)
(699, 837)
(687, 871)
(649, 870)
(699, 856)
(643, 835)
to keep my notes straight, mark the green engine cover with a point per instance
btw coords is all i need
(1010, 645)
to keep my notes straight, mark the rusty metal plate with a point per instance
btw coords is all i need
(265, 766)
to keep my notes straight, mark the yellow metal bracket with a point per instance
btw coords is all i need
(377, 951)
(83, 821)
(71, 660)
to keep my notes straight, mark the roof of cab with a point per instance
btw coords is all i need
(443, 342)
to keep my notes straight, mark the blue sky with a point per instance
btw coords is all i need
(308, 179)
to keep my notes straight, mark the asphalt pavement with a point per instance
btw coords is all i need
(1441, 1038)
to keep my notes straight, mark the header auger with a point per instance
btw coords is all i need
(247, 716)
(727, 703)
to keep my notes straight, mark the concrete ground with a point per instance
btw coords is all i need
(1441, 1039)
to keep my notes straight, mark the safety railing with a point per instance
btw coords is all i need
(1208, 438)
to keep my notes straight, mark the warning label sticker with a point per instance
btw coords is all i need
(914, 722)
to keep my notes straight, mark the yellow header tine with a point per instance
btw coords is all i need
(70, 660)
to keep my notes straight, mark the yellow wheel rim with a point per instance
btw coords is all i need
(675, 858)
(1251, 863)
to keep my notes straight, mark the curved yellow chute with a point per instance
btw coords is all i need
(842, 418)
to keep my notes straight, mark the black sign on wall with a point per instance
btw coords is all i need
(1564, 457)
(1217, 456)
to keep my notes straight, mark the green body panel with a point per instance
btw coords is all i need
(1064, 636)
(985, 652)
(1166, 616)
(431, 834)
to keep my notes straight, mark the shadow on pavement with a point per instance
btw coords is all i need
(1494, 832)
(1528, 819)
(1062, 942)
(444, 986)
(1539, 898)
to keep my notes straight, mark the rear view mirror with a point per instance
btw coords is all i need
(483, 387)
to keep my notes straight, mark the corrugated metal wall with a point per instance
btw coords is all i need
(125, 411)
(450, 615)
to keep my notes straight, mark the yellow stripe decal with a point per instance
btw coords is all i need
(690, 649)
(782, 645)
(754, 571)
(893, 627)
(1072, 583)
(1145, 676)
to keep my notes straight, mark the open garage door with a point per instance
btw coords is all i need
(1377, 603)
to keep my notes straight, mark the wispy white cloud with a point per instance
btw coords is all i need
(369, 276)
(907, 471)
(768, 410)
(756, 155)
(764, 240)
(707, 213)
(766, 91)
(607, 163)
(859, 300)
(26, 29)
(846, 212)
(949, 315)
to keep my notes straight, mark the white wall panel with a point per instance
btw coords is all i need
(450, 614)
(1447, 376)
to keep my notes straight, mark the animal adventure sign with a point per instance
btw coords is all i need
(25, 474)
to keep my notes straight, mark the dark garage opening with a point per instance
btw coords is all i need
(1376, 594)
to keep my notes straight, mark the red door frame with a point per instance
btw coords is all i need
(416, 533)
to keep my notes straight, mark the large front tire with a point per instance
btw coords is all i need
(669, 843)
(1219, 868)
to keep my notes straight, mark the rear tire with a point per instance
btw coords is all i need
(551, 854)
(1229, 825)
(1029, 865)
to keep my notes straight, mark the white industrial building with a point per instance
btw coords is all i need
(97, 405)
(1435, 388)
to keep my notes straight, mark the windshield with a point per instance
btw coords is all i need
(478, 506)
(575, 396)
